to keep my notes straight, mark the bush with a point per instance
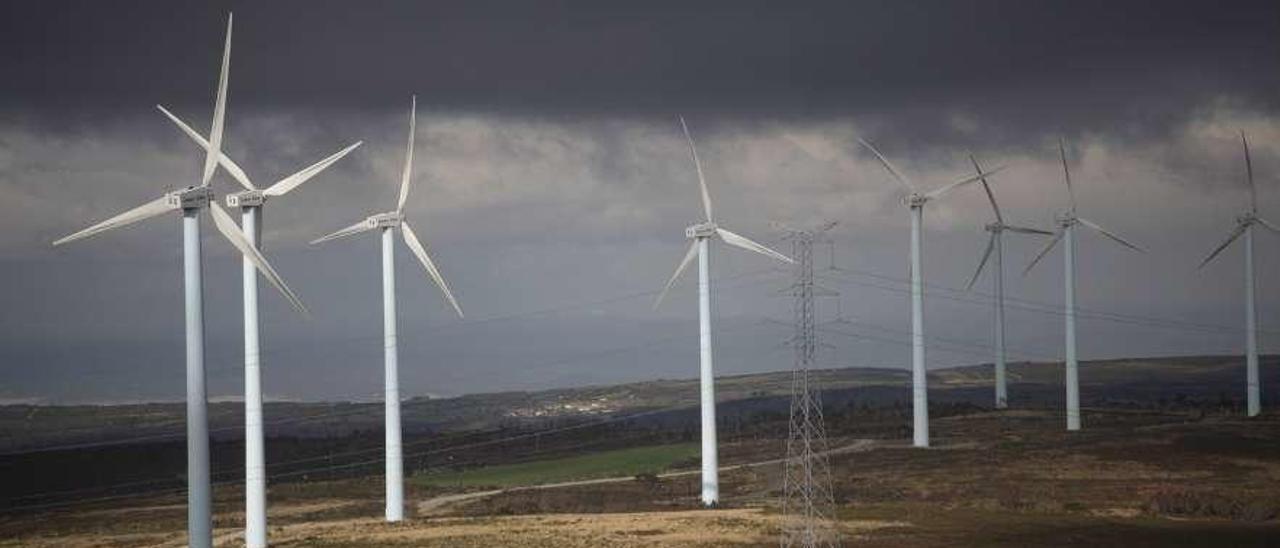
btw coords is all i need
(648, 479)
(1259, 510)
(1185, 503)
(1193, 504)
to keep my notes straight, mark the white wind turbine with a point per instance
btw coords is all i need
(701, 234)
(250, 201)
(995, 243)
(1244, 225)
(915, 201)
(1067, 222)
(387, 222)
(191, 200)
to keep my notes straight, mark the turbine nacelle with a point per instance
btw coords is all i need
(385, 220)
(1066, 219)
(700, 231)
(1247, 219)
(247, 198)
(994, 227)
(915, 200)
(192, 197)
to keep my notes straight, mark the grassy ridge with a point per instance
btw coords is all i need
(621, 462)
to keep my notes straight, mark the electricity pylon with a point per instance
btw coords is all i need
(808, 506)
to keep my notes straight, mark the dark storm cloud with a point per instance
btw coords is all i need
(550, 172)
(1083, 61)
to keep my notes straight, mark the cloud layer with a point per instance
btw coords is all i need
(553, 185)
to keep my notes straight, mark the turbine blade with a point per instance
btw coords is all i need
(1235, 233)
(1248, 167)
(227, 226)
(223, 160)
(1062, 151)
(289, 183)
(1027, 230)
(1105, 232)
(1267, 224)
(697, 164)
(1043, 251)
(219, 112)
(362, 226)
(991, 245)
(142, 212)
(943, 190)
(740, 241)
(897, 176)
(414, 244)
(688, 256)
(991, 197)
(408, 156)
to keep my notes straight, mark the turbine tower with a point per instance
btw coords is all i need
(995, 243)
(250, 202)
(1067, 222)
(191, 201)
(702, 234)
(387, 222)
(1244, 226)
(915, 201)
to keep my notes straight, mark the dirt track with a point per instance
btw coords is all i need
(436, 505)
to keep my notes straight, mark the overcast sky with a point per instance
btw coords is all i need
(553, 185)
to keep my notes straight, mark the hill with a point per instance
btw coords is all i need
(1141, 382)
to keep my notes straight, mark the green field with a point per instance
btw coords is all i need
(622, 462)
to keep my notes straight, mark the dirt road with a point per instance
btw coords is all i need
(436, 505)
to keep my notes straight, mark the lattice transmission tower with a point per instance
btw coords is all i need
(808, 505)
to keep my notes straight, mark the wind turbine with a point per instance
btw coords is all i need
(191, 200)
(250, 202)
(995, 243)
(387, 222)
(1067, 222)
(915, 201)
(1244, 226)
(702, 234)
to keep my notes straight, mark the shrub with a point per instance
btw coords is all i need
(1186, 503)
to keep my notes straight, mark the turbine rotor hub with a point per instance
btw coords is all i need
(995, 227)
(248, 198)
(703, 230)
(192, 197)
(1066, 219)
(915, 200)
(1247, 219)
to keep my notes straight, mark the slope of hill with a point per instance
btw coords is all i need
(1133, 382)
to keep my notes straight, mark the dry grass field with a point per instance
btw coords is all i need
(993, 479)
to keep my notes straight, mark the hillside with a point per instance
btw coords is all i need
(1135, 382)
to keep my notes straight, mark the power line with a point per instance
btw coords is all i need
(1042, 306)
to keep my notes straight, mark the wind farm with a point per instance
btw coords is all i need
(838, 394)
